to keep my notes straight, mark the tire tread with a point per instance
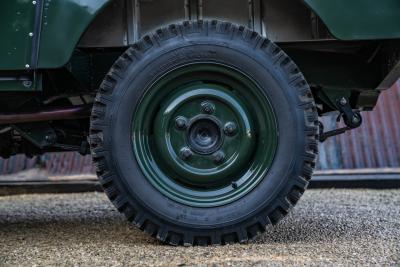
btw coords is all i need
(153, 226)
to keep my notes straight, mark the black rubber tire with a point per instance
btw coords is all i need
(120, 175)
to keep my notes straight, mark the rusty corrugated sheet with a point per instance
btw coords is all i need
(374, 145)
(54, 163)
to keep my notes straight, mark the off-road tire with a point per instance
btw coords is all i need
(110, 166)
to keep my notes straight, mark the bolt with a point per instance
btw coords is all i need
(27, 84)
(343, 101)
(356, 119)
(31, 34)
(219, 157)
(207, 107)
(186, 153)
(230, 128)
(34, 2)
(27, 66)
(51, 138)
(181, 123)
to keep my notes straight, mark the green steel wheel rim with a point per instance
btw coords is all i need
(204, 134)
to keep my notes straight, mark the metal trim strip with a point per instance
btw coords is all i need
(36, 34)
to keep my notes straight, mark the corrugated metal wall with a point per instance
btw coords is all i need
(54, 163)
(374, 145)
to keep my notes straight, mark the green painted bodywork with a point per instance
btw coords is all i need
(64, 22)
(359, 19)
(27, 83)
(16, 22)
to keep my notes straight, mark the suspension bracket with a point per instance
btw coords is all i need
(352, 120)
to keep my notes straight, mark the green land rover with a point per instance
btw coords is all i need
(202, 116)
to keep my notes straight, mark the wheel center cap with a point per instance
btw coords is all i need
(204, 135)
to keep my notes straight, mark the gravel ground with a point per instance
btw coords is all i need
(327, 227)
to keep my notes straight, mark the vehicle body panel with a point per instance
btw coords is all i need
(16, 22)
(64, 22)
(359, 19)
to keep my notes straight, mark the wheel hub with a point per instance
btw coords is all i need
(209, 123)
(204, 135)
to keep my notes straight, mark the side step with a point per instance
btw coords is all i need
(48, 187)
(386, 178)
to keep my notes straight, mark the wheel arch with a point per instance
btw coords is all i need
(72, 17)
(111, 23)
(105, 23)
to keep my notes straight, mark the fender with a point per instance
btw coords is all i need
(70, 18)
(346, 20)
(43, 33)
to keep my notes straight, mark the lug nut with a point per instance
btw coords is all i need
(343, 101)
(27, 83)
(186, 153)
(181, 123)
(51, 138)
(230, 128)
(219, 157)
(207, 107)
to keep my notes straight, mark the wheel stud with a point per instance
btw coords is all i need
(207, 107)
(230, 129)
(181, 123)
(186, 153)
(343, 101)
(219, 157)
